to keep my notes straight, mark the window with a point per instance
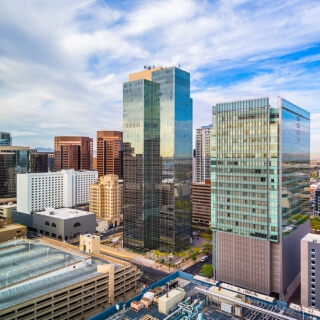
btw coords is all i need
(47, 223)
(77, 224)
(313, 250)
(53, 225)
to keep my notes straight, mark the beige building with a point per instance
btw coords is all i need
(105, 199)
(10, 231)
(6, 210)
(89, 243)
(61, 283)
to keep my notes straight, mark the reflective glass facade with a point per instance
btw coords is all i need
(157, 165)
(260, 160)
(295, 135)
(13, 160)
(141, 164)
(176, 154)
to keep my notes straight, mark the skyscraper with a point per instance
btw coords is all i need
(259, 193)
(13, 160)
(73, 153)
(203, 153)
(5, 139)
(171, 216)
(141, 164)
(109, 153)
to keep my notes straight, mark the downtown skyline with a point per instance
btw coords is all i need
(62, 65)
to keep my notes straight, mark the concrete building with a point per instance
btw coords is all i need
(201, 204)
(89, 243)
(157, 159)
(61, 283)
(5, 139)
(310, 272)
(109, 153)
(260, 193)
(9, 230)
(202, 153)
(73, 153)
(105, 199)
(13, 160)
(64, 223)
(6, 210)
(67, 188)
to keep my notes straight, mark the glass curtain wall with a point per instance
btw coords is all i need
(141, 164)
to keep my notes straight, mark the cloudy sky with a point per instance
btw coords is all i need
(62, 63)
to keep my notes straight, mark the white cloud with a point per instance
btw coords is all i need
(62, 63)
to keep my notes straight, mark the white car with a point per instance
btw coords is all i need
(204, 258)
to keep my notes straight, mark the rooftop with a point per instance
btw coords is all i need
(311, 237)
(64, 213)
(31, 269)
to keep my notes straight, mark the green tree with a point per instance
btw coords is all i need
(207, 247)
(193, 256)
(207, 270)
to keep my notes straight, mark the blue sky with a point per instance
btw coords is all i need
(62, 63)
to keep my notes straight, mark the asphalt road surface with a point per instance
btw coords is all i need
(195, 269)
(150, 275)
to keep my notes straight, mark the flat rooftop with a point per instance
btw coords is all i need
(29, 269)
(311, 237)
(64, 213)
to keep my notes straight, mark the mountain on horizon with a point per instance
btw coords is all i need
(40, 149)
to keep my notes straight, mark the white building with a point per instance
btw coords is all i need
(202, 160)
(310, 271)
(66, 188)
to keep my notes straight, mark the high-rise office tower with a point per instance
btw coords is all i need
(73, 153)
(141, 164)
(13, 160)
(203, 153)
(109, 153)
(171, 219)
(40, 162)
(5, 139)
(259, 193)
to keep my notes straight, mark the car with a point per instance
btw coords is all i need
(204, 258)
(38, 234)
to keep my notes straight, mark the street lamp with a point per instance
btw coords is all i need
(66, 259)
(29, 246)
(47, 254)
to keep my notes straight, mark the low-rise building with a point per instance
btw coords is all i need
(61, 283)
(201, 210)
(64, 223)
(9, 230)
(310, 271)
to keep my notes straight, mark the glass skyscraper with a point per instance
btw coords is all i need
(260, 159)
(170, 226)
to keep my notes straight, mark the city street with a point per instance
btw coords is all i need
(195, 269)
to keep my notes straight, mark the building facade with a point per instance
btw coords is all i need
(40, 162)
(73, 153)
(13, 160)
(164, 138)
(202, 153)
(310, 274)
(141, 164)
(67, 188)
(109, 153)
(201, 204)
(5, 139)
(259, 193)
(64, 223)
(105, 199)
